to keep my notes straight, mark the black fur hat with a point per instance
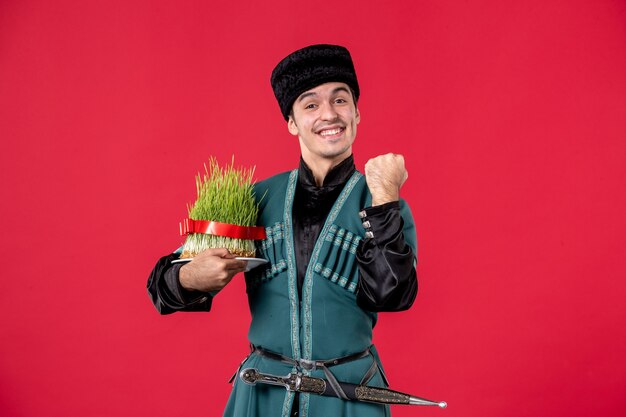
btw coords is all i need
(309, 67)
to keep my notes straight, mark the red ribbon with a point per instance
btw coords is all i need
(221, 229)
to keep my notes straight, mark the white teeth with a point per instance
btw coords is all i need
(330, 132)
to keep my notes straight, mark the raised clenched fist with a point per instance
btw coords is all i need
(385, 174)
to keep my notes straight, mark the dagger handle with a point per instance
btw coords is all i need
(293, 382)
(251, 376)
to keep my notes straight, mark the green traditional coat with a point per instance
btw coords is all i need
(327, 323)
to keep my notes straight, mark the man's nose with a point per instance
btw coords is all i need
(328, 111)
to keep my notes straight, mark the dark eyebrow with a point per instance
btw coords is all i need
(305, 95)
(338, 89)
(312, 93)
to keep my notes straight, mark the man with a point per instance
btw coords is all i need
(341, 247)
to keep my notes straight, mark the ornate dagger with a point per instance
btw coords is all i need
(310, 385)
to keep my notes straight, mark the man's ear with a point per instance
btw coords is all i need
(291, 125)
(358, 115)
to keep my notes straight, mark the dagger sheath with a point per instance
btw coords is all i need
(301, 383)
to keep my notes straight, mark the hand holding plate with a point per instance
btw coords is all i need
(210, 270)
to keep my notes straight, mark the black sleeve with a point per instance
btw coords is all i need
(166, 293)
(388, 279)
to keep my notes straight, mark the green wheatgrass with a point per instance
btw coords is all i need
(225, 195)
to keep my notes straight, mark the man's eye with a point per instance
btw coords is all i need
(310, 106)
(340, 101)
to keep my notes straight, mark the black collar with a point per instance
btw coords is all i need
(338, 175)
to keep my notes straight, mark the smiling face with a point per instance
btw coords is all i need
(325, 119)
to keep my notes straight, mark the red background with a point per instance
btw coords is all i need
(512, 119)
